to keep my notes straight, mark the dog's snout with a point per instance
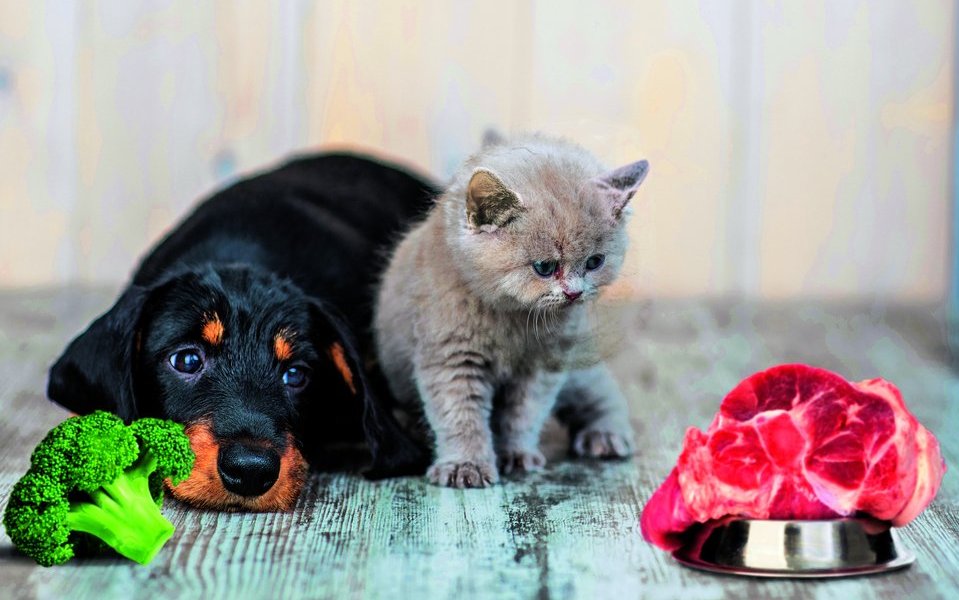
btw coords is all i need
(248, 470)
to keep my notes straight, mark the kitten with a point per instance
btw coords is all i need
(483, 305)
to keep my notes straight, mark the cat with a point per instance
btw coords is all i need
(483, 305)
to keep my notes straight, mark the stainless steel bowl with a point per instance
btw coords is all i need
(835, 548)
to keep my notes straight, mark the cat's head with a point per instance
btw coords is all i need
(539, 223)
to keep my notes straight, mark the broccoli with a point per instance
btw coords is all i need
(94, 477)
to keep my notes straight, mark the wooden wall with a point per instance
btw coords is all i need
(797, 148)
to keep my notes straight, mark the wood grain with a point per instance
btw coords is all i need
(795, 149)
(569, 532)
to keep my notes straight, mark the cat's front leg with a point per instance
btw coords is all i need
(527, 402)
(595, 410)
(457, 401)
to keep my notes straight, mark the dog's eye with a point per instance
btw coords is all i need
(594, 262)
(186, 361)
(545, 268)
(295, 377)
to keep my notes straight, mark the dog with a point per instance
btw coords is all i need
(250, 324)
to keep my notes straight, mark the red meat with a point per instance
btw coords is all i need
(797, 442)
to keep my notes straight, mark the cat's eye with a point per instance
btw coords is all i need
(296, 377)
(545, 268)
(188, 361)
(595, 261)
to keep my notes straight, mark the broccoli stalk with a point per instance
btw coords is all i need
(94, 478)
(124, 515)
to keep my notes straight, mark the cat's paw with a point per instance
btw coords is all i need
(521, 461)
(601, 443)
(462, 474)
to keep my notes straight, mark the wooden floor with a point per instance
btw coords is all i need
(569, 532)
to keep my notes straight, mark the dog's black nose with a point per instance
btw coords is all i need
(247, 470)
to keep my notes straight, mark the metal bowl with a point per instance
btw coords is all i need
(834, 548)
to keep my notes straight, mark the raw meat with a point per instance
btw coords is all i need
(797, 442)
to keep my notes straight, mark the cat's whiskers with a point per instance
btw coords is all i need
(544, 313)
(547, 317)
(547, 308)
(528, 314)
(537, 313)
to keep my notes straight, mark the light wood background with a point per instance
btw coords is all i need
(797, 148)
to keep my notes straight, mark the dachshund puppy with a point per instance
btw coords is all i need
(250, 322)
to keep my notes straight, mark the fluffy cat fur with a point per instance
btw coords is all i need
(476, 340)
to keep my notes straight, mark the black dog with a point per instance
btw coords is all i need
(248, 324)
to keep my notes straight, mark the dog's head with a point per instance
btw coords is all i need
(261, 374)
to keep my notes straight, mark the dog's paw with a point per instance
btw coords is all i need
(462, 474)
(600, 443)
(521, 461)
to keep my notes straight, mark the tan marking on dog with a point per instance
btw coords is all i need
(283, 345)
(204, 489)
(213, 330)
(339, 361)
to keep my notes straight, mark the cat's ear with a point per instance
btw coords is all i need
(620, 184)
(489, 203)
(492, 137)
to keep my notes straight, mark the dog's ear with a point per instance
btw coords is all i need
(95, 372)
(393, 451)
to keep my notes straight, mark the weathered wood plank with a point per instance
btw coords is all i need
(789, 143)
(569, 532)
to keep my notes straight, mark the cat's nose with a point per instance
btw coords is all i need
(572, 296)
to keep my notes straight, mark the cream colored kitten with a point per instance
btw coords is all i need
(484, 303)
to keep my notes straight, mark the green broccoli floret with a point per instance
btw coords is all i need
(94, 476)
